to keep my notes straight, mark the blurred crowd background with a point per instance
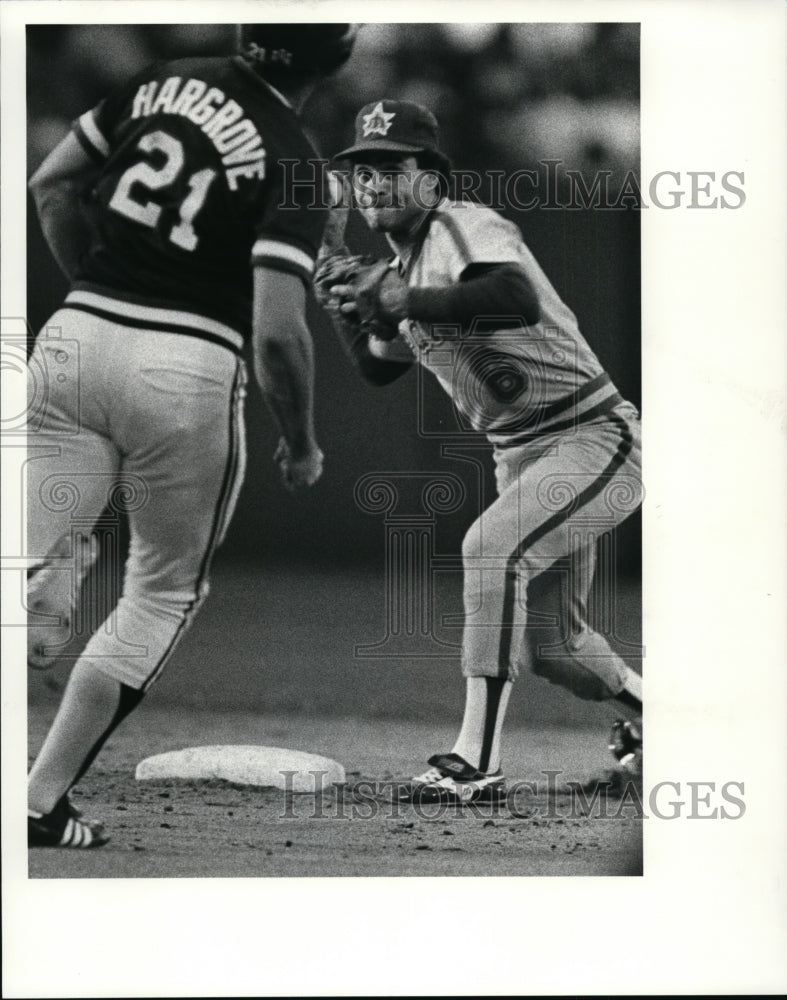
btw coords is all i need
(506, 96)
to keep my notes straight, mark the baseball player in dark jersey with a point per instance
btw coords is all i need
(165, 207)
(465, 298)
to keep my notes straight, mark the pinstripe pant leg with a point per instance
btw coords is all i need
(181, 438)
(534, 527)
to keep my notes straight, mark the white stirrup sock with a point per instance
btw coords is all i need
(485, 709)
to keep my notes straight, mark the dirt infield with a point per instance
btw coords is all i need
(260, 668)
(214, 829)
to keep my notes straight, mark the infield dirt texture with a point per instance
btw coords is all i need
(270, 661)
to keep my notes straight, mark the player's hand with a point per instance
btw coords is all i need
(301, 469)
(334, 267)
(375, 293)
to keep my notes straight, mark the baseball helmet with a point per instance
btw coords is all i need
(303, 49)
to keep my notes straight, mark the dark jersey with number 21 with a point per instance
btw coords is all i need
(192, 191)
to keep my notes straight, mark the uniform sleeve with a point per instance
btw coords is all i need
(290, 230)
(467, 235)
(91, 137)
(94, 128)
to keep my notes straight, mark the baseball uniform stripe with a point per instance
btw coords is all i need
(600, 409)
(601, 403)
(594, 390)
(239, 470)
(128, 701)
(150, 318)
(539, 416)
(149, 325)
(275, 250)
(90, 131)
(86, 144)
(591, 394)
(588, 494)
(279, 264)
(494, 689)
(230, 486)
(227, 490)
(563, 406)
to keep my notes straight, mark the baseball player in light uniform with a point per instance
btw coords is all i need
(164, 207)
(465, 298)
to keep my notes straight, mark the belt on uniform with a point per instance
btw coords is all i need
(154, 318)
(593, 399)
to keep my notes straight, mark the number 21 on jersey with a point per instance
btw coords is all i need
(148, 212)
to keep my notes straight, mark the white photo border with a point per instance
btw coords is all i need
(709, 913)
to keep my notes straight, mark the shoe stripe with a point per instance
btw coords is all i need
(77, 834)
(42, 830)
(429, 777)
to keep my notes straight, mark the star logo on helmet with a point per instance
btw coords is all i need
(378, 121)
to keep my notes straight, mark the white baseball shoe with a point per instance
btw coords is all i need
(452, 779)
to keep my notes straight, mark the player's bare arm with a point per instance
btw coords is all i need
(284, 367)
(56, 188)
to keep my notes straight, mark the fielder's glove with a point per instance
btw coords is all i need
(349, 287)
(333, 269)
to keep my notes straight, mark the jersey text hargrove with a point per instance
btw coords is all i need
(223, 121)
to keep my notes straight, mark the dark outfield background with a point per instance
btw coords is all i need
(301, 580)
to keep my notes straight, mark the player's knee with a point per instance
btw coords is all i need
(471, 543)
(483, 540)
(578, 679)
(553, 658)
(166, 599)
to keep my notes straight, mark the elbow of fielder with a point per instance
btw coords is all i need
(523, 294)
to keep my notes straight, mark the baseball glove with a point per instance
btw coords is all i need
(362, 277)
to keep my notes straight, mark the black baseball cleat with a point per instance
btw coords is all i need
(451, 779)
(63, 828)
(625, 742)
